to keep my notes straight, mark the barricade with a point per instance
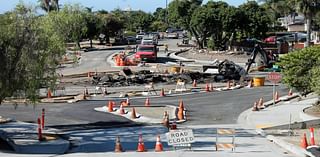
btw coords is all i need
(181, 87)
(226, 133)
(149, 89)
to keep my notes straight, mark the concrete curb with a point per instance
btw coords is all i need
(290, 147)
(245, 120)
(141, 118)
(307, 117)
(25, 141)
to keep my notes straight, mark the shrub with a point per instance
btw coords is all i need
(315, 80)
(297, 69)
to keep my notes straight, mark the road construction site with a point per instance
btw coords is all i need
(100, 108)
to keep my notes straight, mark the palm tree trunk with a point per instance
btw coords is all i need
(307, 43)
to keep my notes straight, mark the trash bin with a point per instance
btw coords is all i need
(258, 81)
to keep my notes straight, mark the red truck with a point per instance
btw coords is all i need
(146, 52)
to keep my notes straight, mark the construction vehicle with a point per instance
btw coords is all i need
(146, 52)
(260, 58)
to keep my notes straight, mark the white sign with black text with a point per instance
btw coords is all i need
(178, 137)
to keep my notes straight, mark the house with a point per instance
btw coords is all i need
(296, 23)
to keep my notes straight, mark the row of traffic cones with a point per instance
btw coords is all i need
(141, 147)
(121, 110)
(120, 61)
(304, 142)
(258, 105)
(180, 116)
(209, 87)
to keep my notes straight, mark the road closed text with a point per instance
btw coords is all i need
(180, 137)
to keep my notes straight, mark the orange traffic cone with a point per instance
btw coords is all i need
(249, 84)
(113, 103)
(290, 92)
(141, 147)
(211, 87)
(158, 147)
(234, 83)
(228, 85)
(110, 106)
(207, 88)
(128, 102)
(86, 91)
(255, 107)
(194, 84)
(181, 105)
(118, 147)
(303, 142)
(260, 104)
(147, 102)
(118, 60)
(133, 113)
(180, 114)
(84, 95)
(122, 62)
(276, 96)
(49, 95)
(121, 110)
(105, 91)
(165, 120)
(162, 92)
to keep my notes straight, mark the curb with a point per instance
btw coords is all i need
(290, 147)
(307, 117)
(20, 142)
(142, 119)
(244, 119)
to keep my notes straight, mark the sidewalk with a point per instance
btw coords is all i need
(273, 123)
(101, 143)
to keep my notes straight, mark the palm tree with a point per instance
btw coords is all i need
(49, 5)
(309, 9)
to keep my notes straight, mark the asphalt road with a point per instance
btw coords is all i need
(203, 108)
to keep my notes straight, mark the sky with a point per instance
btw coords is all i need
(145, 5)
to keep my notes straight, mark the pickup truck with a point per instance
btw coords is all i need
(146, 52)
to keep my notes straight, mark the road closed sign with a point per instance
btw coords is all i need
(179, 137)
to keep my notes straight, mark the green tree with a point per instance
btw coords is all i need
(255, 20)
(109, 25)
(70, 22)
(141, 20)
(158, 26)
(160, 15)
(92, 24)
(216, 20)
(28, 54)
(180, 13)
(49, 5)
(297, 69)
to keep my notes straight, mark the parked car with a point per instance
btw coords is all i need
(139, 36)
(131, 40)
(148, 41)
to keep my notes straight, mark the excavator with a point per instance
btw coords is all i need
(260, 58)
